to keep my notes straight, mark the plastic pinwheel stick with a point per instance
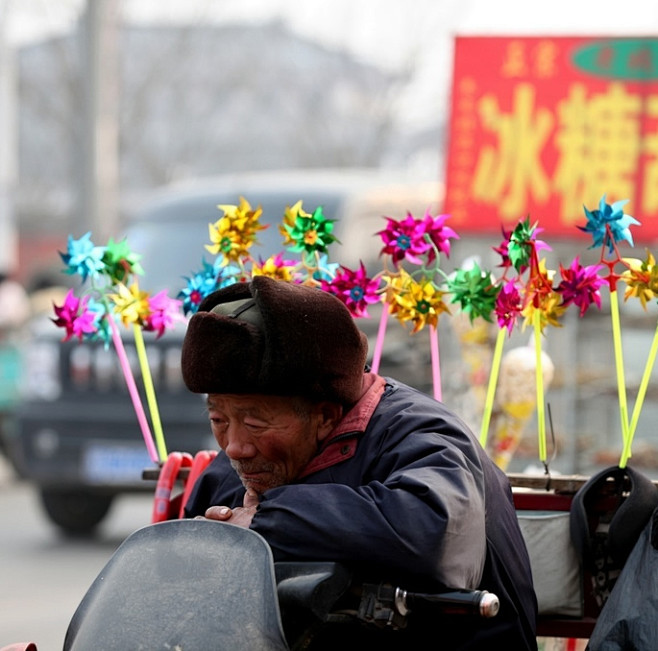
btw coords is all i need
(150, 393)
(541, 419)
(491, 388)
(132, 389)
(637, 408)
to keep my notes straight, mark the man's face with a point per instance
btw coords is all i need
(269, 439)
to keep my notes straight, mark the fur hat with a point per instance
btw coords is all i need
(274, 337)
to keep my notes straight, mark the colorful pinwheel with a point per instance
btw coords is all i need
(355, 289)
(311, 233)
(475, 291)
(405, 240)
(75, 317)
(581, 285)
(83, 257)
(608, 227)
(609, 224)
(509, 306)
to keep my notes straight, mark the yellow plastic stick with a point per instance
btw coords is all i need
(619, 362)
(637, 408)
(491, 389)
(150, 393)
(539, 374)
(132, 389)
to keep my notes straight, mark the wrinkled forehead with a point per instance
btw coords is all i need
(252, 403)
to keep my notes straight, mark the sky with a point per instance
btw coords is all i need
(374, 27)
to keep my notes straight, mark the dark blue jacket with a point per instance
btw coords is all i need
(412, 499)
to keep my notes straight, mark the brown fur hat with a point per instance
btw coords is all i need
(274, 337)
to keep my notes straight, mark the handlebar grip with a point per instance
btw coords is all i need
(462, 602)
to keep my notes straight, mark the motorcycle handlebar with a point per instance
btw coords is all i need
(463, 602)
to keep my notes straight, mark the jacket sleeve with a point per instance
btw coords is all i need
(409, 504)
(218, 484)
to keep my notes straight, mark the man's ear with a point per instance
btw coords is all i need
(329, 415)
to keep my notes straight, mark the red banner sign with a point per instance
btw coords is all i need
(543, 126)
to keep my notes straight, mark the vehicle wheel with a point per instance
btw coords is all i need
(76, 512)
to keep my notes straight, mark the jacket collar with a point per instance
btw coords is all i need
(341, 442)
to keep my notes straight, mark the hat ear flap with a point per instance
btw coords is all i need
(233, 292)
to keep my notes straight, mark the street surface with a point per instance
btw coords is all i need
(44, 575)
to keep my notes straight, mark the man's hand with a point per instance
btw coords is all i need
(241, 515)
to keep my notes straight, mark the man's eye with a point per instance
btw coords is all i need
(255, 426)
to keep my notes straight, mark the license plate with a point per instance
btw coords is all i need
(115, 464)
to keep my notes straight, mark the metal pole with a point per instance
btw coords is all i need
(8, 155)
(99, 191)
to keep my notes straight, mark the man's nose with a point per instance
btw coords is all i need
(238, 444)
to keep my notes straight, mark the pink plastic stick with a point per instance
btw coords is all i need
(436, 362)
(379, 344)
(132, 388)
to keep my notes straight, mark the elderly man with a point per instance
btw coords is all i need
(330, 462)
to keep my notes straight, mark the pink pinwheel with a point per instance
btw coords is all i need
(164, 313)
(438, 233)
(74, 316)
(503, 250)
(581, 285)
(355, 289)
(405, 239)
(509, 306)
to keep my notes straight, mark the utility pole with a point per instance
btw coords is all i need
(99, 204)
(8, 145)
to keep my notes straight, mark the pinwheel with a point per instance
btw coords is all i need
(355, 289)
(236, 232)
(75, 317)
(608, 226)
(275, 267)
(312, 233)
